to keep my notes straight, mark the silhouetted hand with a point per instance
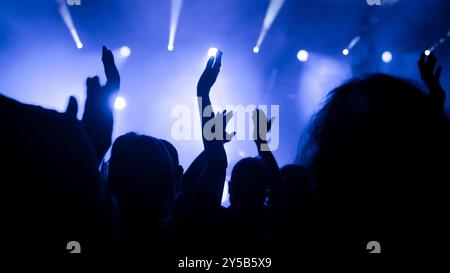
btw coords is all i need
(111, 72)
(226, 117)
(209, 75)
(72, 107)
(431, 76)
(98, 115)
(261, 126)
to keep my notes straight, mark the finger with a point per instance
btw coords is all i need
(437, 75)
(228, 117)
(93, 82)
(104, 52)
(229, 137)
(72, 107)
(432, 60)
(422, 58)
(255, 115)
(210, 63)
(421, 63)
(218, 62)
(269, 124)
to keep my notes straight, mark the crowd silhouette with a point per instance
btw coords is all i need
(373, 165)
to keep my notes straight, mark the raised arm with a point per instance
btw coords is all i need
(262, 126)
(431, 77)
(98, 114)
(212, 179)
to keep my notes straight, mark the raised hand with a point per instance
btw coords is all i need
(222, 120)
(211, 182)
(98, 116)
(209, 75)
(111, 72)
(431, 76)
(72, 107)
(261, 126)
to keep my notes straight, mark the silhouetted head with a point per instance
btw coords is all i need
(50, 183)
(296, 184)
(177, 168)
(141, 176)
(376, 151)
(250, 179)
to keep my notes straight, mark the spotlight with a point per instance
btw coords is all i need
(67, 18)
(302, 55)
(386, 57)
(125, 51)
(212, 52)
(427, 52)
(175, 10)
(256, 50)
(345, 52)
(271, 14)
(120, 103)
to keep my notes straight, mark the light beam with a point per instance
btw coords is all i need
(271, 14)
(67, 18)
(175, 11)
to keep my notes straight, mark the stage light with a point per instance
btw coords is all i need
(271, 14)
(345, 52)
(255, 49)
(175, 11)
(65, 14)
(120, 103)
(427, 52)
(302, 55)
(125, 51)
(386, 57)
(212, 52)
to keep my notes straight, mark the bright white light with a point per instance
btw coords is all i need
(175, 11)
(255, 49)
(65, 14)
(271, 14)
(212, 52)
(120, 103)
(345, 52)
(427, 52)
(302, 55)
(386, 57)
(125, 51)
